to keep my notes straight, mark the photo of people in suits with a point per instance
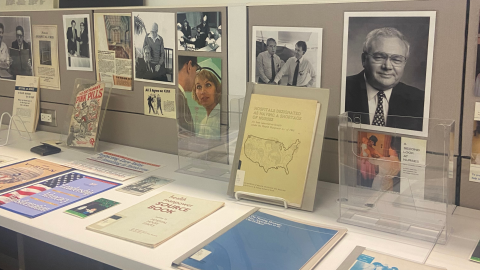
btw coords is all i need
(77, 42)
(154, 42)
(15, 47)
(287, 56)
(199, 31)
(387, 70)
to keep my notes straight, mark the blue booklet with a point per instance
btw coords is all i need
(264, 241)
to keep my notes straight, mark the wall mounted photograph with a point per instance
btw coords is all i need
(154, 46)
(15, 47)
(199, 31)
(287, 55)
(45, 46)
(387, 69)
(113, 49)
(78, 49)
(200, 95)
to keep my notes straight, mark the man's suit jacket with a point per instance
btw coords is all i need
(26, 46)
(84, 46)
(184, 116)
(404, 101)
(71, 45)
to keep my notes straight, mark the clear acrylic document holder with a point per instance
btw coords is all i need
(211, 157)
(17, 124)
(385, 189)
(84, 119)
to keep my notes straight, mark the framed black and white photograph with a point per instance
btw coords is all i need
(78, 45)
(199, 31)
(286, 55)
(15, 47)
(154, 46)
(387, 69)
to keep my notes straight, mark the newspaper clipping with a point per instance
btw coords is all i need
(45, 60)
(113, 49)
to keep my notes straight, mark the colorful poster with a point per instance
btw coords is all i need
(113, 49)
(113, 165)
(45, 40)
(200, 96)
(27, 172)
(159, 101)
(145, 185)
(78, 49)
(39, 187)
(52, 199)
(15, 47)
(154, 47)
(85, 117)
(91, 208)
(199, 31)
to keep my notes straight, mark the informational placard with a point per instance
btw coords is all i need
(45, 59)
(159, 101)
(475, 158)
(26, 102)
(113, 165)
(26, 5)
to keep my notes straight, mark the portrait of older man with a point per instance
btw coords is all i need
(377, 91)
(155, 42)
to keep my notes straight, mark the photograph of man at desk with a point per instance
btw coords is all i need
(199, 31)
(15, 47)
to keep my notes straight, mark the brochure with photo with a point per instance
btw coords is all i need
(88, 209)
(145, 185)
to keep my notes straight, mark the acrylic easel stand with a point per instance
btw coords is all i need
(211, 156)
(85, 117)
(251, 197)
(383, 189)
(12, 120)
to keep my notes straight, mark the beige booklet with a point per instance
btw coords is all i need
(276, 147)
(157, 219)
(26, 103)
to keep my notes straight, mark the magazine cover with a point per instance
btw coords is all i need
(26, 172)
(88, 209)
(86, 113)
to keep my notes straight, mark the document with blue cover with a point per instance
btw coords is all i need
(261, 240)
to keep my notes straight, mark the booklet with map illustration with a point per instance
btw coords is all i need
(157, 219)
(263, 240)
(276, 147)
(279, 145)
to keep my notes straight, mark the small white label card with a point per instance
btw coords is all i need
(200, 255)
(240, 177)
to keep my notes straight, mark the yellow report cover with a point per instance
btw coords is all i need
(276, 147)
(157, 219)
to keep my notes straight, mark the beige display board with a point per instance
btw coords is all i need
(468, 191)
(125, 107)
(447, 56)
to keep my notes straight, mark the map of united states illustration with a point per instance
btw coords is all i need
(269, 153)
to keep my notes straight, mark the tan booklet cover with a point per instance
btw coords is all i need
(276, 147)
(157, 219)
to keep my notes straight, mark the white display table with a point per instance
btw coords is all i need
(68, 232)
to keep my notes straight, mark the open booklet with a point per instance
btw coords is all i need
(264, 240)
